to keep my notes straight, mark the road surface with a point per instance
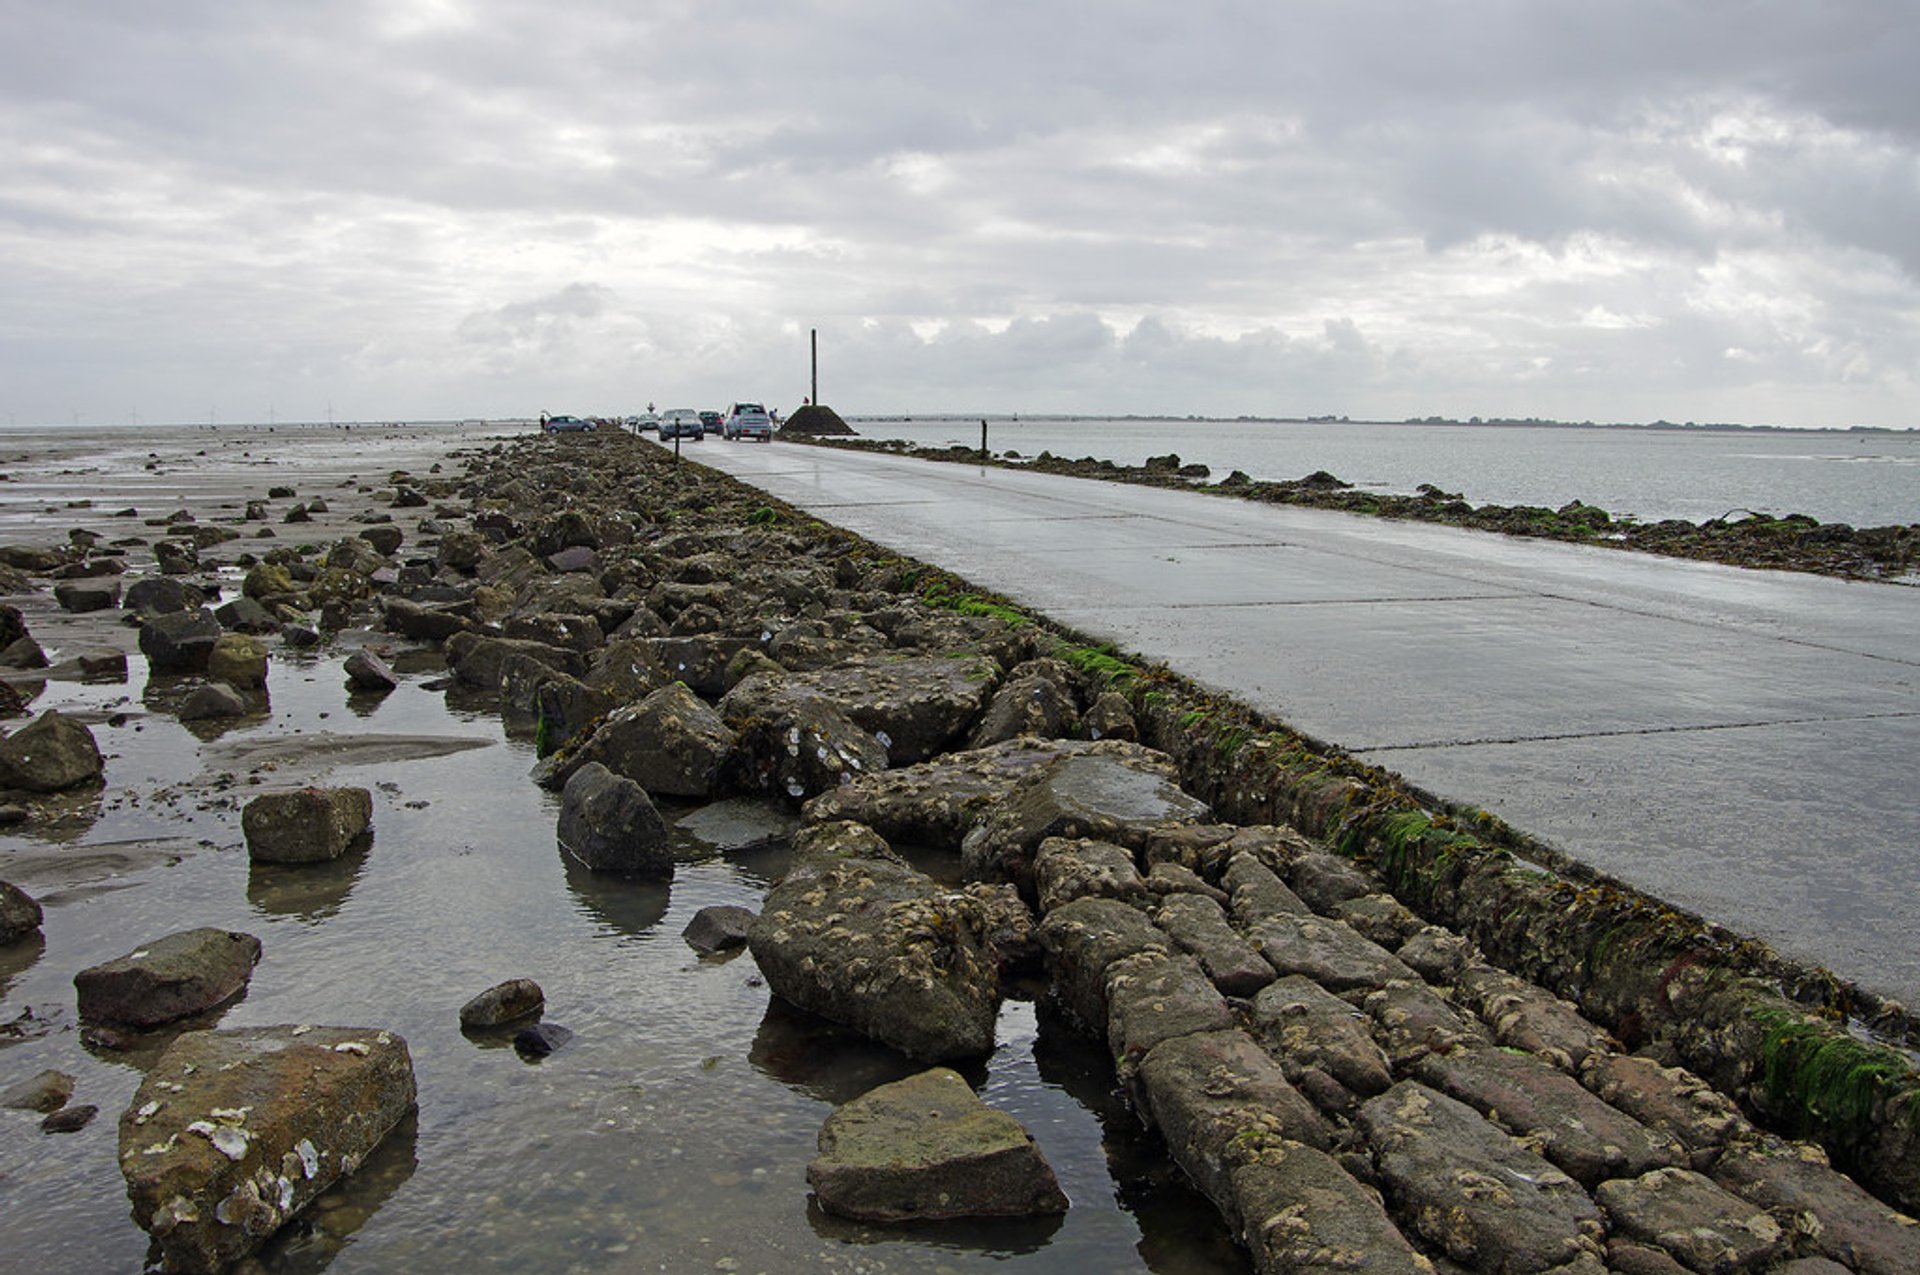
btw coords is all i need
(1745, 744)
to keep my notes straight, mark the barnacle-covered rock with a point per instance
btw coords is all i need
(234, 1132)
(856, 935)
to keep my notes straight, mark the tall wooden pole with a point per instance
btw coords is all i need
(813, 339)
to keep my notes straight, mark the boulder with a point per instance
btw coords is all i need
(1301, 1213)
(1065, 870)
(212, 702)
(796, 746)
(536, 1042)
(926, 1148)
(503, 1003)
(1305, 1026)
(51, 754)
(306, 825)
(1110, 716)
(670, 743)
(1833, 1215)
(1113, 796)
(87, 595)
(246, 615)
(179, 641)
(856, 935)
(1036, 699)
(1196, 924)
(385, 538)
(609, 825)
(1471, 1191)
(481, 663)
(1672, 1100)
(718, 927)
(176, 557)
(367, 672)
(48, 1091)
(1155, 996)
(1082, 939)
(916, 707)
(161, 595)
(23, 652)
(234, 1132)
(238, 660)
(20, 914)
(1705, 1228)
(169, 978)
(423, 622)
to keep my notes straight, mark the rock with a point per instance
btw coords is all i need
(176, 557)
(102, 663)
(1704, 1227)
(1676, 1102)
(238, 660)
(1331, 954)
(1471, 1191)
(555, 628)
(211, 702)
(916, 707)
(385, 538)
(1197, 925)
(1832, 1215)
(541, 1039)
(609, 825)
(70, 1119)
(424, 623)
(1304, 1026)
(719, 927)
(926, 1148)
(234, 1132)
(856, 935)
(1036, 699)
(1324, 881)
(87, 595)
(1529, 1017)
(1207, 1092)
(1411, 1020)
(367, 672)
(51, 754)
(1065, 870)
(481, 663)
(1082, 940)
(19, 914)
(306, 825)
(23, 652)
(161, 595)
(246, 615)
(179, 641)
(503, 1003)
(1300, 1212)
(1155, 996)
(797, 745)
(169, 978)
(48, 1091)
(1110, 716)
(670, 743)
(1112, 797)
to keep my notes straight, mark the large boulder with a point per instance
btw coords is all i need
(482, 663)
(52, 753)
(87, 595)
(1117, 796)
(1036, 699)
(19, 914)
(609, 825)
(169, 978)
(671, 743)
(916, 706)
(307, 825)
(233, 1133)
(159, 595)
(926, 1148)
(856, 935)
(179, 641)
(796, 746)
(238, 660)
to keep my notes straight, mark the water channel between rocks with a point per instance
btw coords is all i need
(671, 1133)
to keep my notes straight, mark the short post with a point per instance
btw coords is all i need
(983, 439)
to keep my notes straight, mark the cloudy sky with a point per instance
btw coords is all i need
(1696, 209)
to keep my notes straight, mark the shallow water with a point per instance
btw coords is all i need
(1867, 480)
(670, 1134)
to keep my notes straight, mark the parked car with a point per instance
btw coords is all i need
(681, 422)
(711, 420)
(565, 425)
(643, 424)
(749, 421)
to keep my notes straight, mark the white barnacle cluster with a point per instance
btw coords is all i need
(356, 1047)
(146, 1112)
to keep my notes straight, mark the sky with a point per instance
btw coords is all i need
(1611, 210)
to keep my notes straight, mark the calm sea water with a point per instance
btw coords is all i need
(1863, 479)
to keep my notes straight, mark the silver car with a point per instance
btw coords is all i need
(681, 422)
(747, 420)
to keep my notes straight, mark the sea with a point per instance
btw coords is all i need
(1863, 478)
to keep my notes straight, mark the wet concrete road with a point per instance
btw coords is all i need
(1745, 744)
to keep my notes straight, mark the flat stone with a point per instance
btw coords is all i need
(1670, 1099)
(1412, 1020)
(169, 978)
(1529, 1017)
(1705, 1228)
(1328, 952)
(1830, 1213)
(1155, 996)
(307, 825)
(926, 1148)
(1257, 892)
(503, 1003)
(1301, 1213)
(1304, 1025)
(1473, 1192)
(233, 1133)
(1065, 870)
(541, 1040)
(1082, 939)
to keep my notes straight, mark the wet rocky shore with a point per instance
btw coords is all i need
(1739, 538)
(1375, 1034)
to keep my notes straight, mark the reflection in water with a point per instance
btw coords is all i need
(627, 906)
(997, 1237)
(140, 1048)
(16, 959)
(828, 1062)
(311, 1241)
(309, 892)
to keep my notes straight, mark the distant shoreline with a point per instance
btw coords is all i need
(1680, 427)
